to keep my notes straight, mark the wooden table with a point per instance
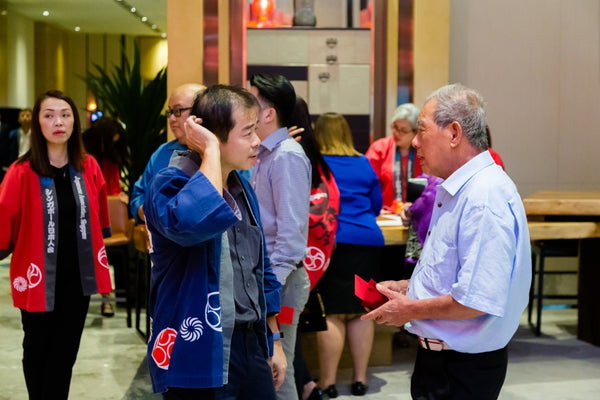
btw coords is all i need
(394, 233)
(563, 203)
(573, 215)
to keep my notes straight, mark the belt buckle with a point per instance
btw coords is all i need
(433, 344)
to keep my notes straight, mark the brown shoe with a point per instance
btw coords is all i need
(106, 309)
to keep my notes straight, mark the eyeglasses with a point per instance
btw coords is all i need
(405, 131)
(177, 111)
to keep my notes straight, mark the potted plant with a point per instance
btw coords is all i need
(123, 94)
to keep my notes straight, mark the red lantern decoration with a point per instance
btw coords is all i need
(262, 8)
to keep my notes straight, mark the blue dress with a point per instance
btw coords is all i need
(359, 241)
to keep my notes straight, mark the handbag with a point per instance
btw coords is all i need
(312, 319)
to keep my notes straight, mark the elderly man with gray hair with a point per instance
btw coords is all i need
(471, 284)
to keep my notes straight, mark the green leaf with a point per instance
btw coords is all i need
(122, 93)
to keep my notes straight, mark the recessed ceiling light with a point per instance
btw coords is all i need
(144, 19)
(3, 12)
(77, 29)
(163, 35)
(132, 9)
(45, 13)
(154, 26)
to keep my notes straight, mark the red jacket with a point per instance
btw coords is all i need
(381, 154)
(112, 176)
(28, 215)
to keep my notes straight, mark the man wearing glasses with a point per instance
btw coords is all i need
(179, 106)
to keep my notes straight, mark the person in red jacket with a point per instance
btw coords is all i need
(393, 157)
(105, 140)
(54, 215)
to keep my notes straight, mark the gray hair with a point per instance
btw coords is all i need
(459, 103)
(408, 112)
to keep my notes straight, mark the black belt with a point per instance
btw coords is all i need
(246, 326)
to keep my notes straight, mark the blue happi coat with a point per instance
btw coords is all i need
(191, 289)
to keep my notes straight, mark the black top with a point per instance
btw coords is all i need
(68, 277)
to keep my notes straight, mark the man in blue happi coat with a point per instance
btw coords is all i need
(213, 294)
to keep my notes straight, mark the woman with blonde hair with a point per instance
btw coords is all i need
(359, 244)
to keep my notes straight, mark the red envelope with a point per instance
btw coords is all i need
(368, 293)
(286, 315)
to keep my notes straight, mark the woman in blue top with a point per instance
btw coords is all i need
(359, 245)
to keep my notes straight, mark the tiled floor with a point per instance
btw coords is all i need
(112, 365)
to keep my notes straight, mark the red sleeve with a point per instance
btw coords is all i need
(496, 158)
(111, 174)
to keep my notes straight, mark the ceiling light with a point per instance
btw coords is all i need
(154, 26)
(163, 35)
(45, 13)
(132, 9)
(77, 29)
(3, 12)
(144, 19)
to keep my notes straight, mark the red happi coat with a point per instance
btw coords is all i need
(322, 224)
(28, 221)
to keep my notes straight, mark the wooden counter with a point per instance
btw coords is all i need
(563, 203)
(393, 231)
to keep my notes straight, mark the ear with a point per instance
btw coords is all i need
(456, 133)
(269, 115)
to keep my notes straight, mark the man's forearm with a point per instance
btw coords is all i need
(442, 307)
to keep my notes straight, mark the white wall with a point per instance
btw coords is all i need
(537, 64)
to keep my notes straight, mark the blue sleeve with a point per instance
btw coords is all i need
(292, 201)
(186, 210)
(376, 194)
(140, 187)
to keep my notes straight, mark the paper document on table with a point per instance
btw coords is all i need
(389, 220)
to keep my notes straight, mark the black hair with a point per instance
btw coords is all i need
(301, 118)
(37, 155)
(99, 141)
(216, 105)
(279, 92)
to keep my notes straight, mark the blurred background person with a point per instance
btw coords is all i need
(493, 153)
(322, 225)
(178, 110)
(105, 140)
(393, 158)
(58, 255)
(359, 244)
(19, 140)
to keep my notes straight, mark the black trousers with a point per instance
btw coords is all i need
(450, 375)
(50, 347)
(250, 376)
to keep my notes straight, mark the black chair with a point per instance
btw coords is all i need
(540, 250)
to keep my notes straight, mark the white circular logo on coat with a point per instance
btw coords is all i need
(212, 313)
(191, 329)
(20, 284)
(102, 258)
(34, 275)
(314, 259)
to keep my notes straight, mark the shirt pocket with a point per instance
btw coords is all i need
(439, 268)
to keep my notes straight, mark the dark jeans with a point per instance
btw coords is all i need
(50, 347)
(250, 376)
(450, 375)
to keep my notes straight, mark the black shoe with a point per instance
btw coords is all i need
(358, 389)
(106, 309)
(317, 394)
(331, 391)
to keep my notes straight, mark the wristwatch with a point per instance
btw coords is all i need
(277, 335)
